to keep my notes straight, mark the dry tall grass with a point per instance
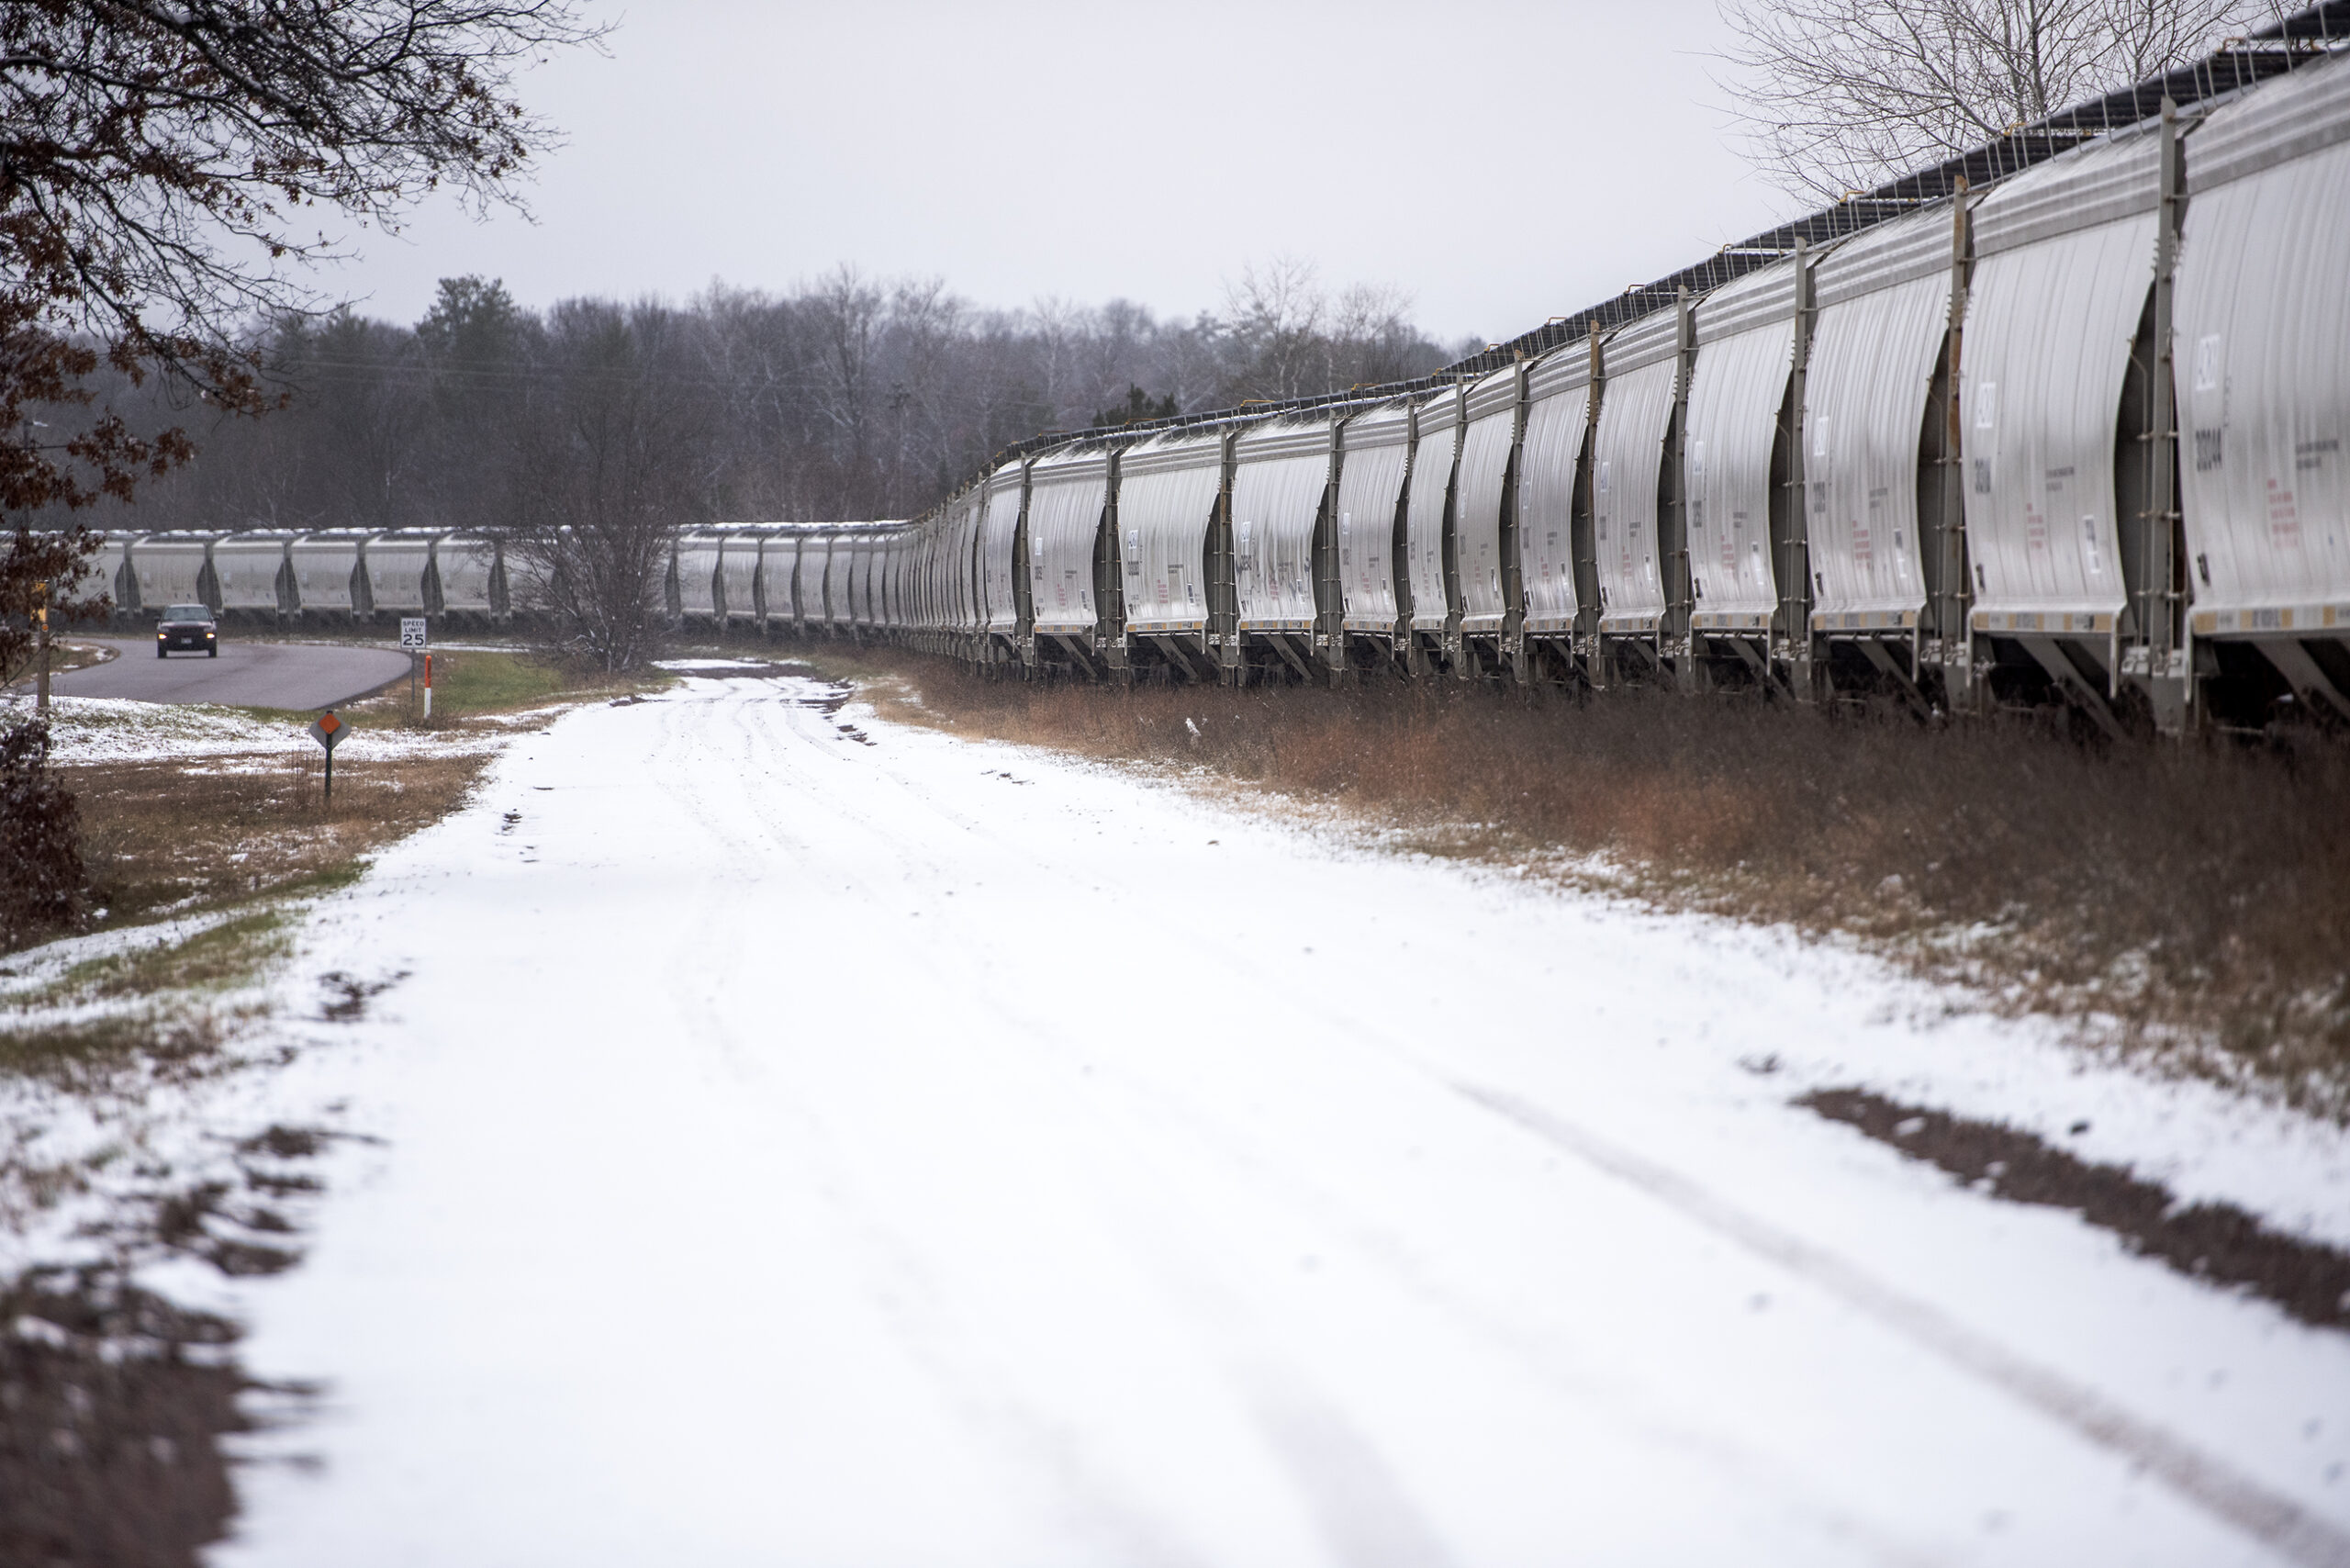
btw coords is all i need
(2194, 898)
(185, 837)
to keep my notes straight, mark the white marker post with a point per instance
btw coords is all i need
(412, 639)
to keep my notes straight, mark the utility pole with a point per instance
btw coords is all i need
(41, 621)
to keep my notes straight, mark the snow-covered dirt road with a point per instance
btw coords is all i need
(814, 1147)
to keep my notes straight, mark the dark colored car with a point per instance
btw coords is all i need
(187, 626)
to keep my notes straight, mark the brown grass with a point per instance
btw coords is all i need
(2194, 897)
(183, 835)
(187, 836)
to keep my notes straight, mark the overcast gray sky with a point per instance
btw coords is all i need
(1501, 162)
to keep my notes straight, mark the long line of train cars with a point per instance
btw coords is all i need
(2077, 433)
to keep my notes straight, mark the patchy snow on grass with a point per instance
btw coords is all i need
(113, 729)
(117, 729)
(120, 1097)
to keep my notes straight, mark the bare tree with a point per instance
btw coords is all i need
(849, 307)
(1372, 339)
(849, 396)
(156, 157)
(1058, 326)
(1839, 95)
(1274, 318)
(614, 457)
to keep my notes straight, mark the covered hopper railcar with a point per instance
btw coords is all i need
(1921, 444)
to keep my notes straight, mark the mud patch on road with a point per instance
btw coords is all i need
(347, 997)
(828, 701)
(2217, 1243)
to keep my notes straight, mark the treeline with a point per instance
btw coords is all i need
(850, 398)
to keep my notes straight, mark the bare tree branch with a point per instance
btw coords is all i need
(158, 156)
(1838, 95)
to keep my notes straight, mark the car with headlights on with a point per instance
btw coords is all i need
(188, 626)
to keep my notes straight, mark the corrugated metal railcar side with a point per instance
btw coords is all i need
(326, 572)
(171, 569)
(1375, 449)
(250, 573)
(882, 598)
(963, 566)
(1487, 444)
(906, 555)
(871, 576)
(779, 580)
(121, 578)
(1558, 418)
(2263, 361)
(97, 573)
(1169, 488)
(840, 557)
(2064, 260)
(1435, 431)
(1281, 472)
(694, 566)
(395, 566)
(808, 579)
(1637, 365)
(738, 577)
(862, 550)
(468, 568)
(908, 550)
(1884, 307)
(1068, 491)
(1735, 453)
(1004, 501)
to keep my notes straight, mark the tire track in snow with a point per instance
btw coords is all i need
(1336, 1487)
(749, 772)
(2203, 1479)
(1300, 1421)
(2208, 1482)
(900, 1286)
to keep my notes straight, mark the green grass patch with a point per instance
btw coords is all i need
(215, 958)
(86, 1053)
(474, 682)
(468, 682)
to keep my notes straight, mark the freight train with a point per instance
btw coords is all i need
(2064, 420)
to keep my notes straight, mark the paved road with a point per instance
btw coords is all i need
(256, 675)
(859, 1149)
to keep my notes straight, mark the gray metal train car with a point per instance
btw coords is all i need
(1374, 459)
(1924, 448)
(2261, 361)
(1923, 443)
